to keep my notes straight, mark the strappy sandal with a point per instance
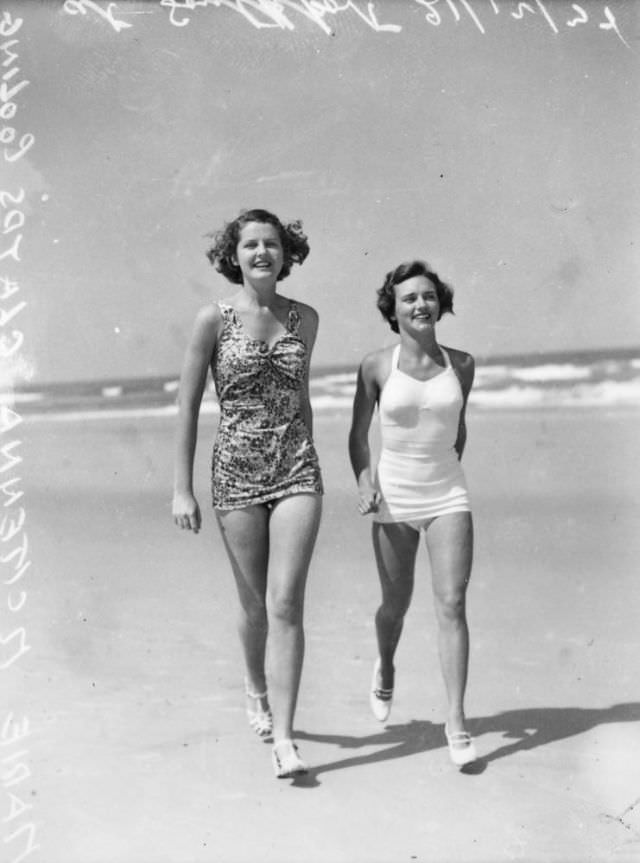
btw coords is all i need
(260, 720)
(379, 699)
(286, 761)
(462, 749)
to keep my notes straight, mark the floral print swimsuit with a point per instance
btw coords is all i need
(263, 449)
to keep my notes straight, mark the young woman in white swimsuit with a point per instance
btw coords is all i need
(421, 391)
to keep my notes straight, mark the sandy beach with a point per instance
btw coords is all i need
(494, 140)
(139, 749)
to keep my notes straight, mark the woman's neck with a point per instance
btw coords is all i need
(418, 349)
(263, 296)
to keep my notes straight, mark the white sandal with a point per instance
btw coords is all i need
(260, 720)
(462, 749)
(379, 699)
(286, 761)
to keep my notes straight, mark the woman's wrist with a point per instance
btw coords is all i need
(180, 488)
(365, 482)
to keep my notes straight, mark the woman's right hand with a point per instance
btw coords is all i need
(186, 511)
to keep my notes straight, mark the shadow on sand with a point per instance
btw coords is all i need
(523, 729)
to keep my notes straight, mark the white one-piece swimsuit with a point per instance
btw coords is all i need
(419, 475)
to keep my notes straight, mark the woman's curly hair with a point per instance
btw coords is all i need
(387, 297)
(221, 253)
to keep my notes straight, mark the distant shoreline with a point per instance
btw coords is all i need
(147, 382)
(580, 379)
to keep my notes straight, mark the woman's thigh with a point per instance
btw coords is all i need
(293, 528)
(245, 533)
(395, 545)
(450, 544)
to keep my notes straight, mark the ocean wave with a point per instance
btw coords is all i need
(564, 372)
(588, 380)
(15, 399)
(491, 374)
(610, 395)
(605, 394)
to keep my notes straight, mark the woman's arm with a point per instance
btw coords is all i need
(364, 404)
(186, 512)
(309, 332)
(464, 365)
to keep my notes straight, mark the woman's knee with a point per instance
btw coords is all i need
(285, 608)
(394, 607)
(451, 605)
(254, 614)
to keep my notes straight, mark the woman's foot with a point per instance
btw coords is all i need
(286, 761)
(462, 749)
(379, 699)
(258, 712)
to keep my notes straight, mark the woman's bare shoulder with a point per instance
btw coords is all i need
(306, 312)
(208, 322)
(461, 359)
(464, 366)
(211, 313)
(376, 365)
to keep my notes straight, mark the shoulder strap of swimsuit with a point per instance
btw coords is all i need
(228, 314)
(395, 357)
(293, 318)
(447, 358)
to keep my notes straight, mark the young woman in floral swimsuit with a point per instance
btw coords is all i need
(266, 481)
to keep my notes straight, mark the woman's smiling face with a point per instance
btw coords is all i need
(417, 307)
(259, 252)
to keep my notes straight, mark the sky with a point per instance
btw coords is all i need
(496, 140)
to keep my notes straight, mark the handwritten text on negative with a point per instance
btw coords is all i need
(286, 14)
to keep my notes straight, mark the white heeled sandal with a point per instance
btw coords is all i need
(286, 761)
(462, 749)
(260, 720)
(379, 699)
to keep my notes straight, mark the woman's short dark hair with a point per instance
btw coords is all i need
(387, 296)
(221, 253)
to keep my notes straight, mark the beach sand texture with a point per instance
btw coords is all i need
(140, 750)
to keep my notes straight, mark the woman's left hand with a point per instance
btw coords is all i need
(368, 498)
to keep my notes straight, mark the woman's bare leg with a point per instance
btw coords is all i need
(395, 547)
(450, 545)
(293, 528)
(246, 537)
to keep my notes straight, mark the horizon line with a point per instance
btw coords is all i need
(317, 369)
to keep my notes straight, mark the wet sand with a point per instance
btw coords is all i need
(140, 751)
